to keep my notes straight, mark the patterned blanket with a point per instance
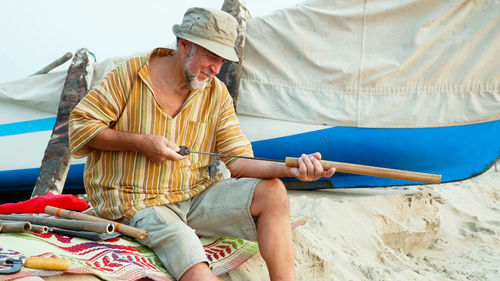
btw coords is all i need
(118, 258)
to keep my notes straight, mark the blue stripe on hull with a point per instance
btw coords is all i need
(30, 126)
(25, 179)
(455, 152)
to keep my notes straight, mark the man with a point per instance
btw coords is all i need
(130, 127)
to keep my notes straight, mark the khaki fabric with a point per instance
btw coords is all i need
(212, 29)
(375, 63)
(221, 210)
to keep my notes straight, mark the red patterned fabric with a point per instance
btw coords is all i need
(117, 258)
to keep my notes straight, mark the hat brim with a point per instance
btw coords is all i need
(216, 48)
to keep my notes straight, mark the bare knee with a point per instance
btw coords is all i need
(199, 271)
(270, 195)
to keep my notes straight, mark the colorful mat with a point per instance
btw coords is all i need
(117, 258)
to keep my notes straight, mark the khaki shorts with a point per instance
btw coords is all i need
(221, 210)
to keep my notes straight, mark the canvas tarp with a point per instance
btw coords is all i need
(41, 93)
(380, 63)
(364, 63)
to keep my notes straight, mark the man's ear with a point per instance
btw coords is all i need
(184, 47)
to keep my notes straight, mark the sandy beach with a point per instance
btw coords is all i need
(449, 231)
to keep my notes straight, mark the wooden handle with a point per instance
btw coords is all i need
(372, 171)
(122, 228)
(47, 263)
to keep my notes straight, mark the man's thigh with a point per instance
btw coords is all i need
(173, 241)
(224, 209)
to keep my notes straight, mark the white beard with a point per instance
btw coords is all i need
(191, 78)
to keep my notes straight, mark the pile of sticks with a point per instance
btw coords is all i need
(65, 219)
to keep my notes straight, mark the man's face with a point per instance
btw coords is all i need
(200, 67)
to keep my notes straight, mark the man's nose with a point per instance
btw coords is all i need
(215, 68)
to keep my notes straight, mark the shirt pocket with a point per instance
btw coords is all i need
(198, 136)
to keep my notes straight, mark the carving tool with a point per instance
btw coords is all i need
(15, 265)
(342, 167)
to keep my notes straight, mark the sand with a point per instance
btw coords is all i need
(429, 232)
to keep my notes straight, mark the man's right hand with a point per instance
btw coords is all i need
(156, 148)
(159, 148)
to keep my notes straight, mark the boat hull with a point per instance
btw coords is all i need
(457, 152)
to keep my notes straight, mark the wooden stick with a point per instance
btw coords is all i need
(54, 64)
(372, 171)
(122, 228)
(95, 226)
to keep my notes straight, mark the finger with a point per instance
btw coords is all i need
(170, 151)
(172, 145)
(309, 165)
(329, 173)
(173, 155)
(302, 168)
(316, 155)
(318, 168)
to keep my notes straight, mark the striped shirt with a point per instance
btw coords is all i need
(119, 183)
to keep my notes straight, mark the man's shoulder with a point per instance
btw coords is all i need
(134, 63)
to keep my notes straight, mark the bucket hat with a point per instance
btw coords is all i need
(215, 30)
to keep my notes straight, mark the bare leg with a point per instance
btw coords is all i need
(199, 272)
(274, 235)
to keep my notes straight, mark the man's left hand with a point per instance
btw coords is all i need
(310, 168)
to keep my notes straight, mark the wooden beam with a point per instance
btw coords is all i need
(66, 57)
(230, 72)
(57, 158)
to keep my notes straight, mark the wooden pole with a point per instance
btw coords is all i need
(66, 57)
(230, 72)
(122, 228)
(57, 158)
(372, 171)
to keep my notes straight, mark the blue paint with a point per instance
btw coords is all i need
(25, 179)
(30, 126)
(457, 153)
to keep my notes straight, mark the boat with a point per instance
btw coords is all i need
(410, 85)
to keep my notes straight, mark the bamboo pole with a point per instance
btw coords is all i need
(39, 228)
(15, 227)
(122, 228)
(95, 226)
(372, 171)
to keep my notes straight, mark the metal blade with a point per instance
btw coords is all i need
(237, 156)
